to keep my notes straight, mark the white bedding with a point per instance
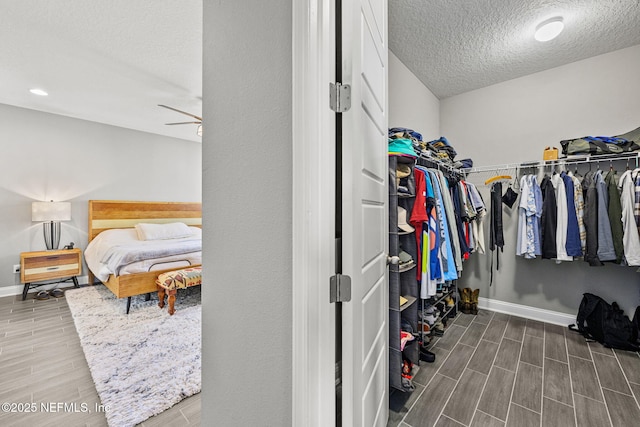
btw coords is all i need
(119, 252)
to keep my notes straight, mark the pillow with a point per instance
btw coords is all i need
(172, 230)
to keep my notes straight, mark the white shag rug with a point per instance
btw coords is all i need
(144, 362)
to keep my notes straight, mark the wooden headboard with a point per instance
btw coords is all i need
(108, 214)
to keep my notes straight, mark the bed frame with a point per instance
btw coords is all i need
(109, 214)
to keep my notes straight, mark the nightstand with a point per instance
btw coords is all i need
(49, 265)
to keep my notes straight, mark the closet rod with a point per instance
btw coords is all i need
(588, 158)
(440, 163)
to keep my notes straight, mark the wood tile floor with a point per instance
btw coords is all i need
(498, 370)
(43, 364)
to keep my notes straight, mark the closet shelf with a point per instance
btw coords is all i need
(410, 300)
(570, 160)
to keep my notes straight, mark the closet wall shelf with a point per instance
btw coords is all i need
(410, 301)
(570, 160)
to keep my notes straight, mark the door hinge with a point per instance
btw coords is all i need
(340, 288)
(339, 97)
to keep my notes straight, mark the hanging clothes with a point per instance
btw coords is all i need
(449, 271)
(529, 214)
(457, 208)
(419, 215)
(496, 236)
(573, 246)
(578, 195)
(451, 220)
(591, 218)
(562, 218)
(477, 227)
(606, 251)
(631, 239)
(435, 270)
(548, 219)
(615, 214)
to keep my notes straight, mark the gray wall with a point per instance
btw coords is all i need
(514, 121)
(47, 156)
(411, 104)
(247, 203)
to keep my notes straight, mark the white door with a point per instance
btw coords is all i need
(365, 336)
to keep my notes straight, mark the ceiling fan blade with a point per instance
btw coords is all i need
(184, 123)
(180, 111)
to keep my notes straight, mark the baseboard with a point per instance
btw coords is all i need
(8, 291)
(540, 314)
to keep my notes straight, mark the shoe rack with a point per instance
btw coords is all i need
(402, 283)
(436, 313)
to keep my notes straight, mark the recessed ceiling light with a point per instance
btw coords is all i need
(39, 92)
(549, 29)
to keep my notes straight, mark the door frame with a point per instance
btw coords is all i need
(313, 188)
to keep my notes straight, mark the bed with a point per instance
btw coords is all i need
(123, 216)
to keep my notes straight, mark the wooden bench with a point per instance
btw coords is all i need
(168, 283)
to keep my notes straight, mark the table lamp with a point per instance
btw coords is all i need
(50, 214)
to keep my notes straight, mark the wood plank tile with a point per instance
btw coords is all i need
(590, 413)
(508, 355)
(480, 419)
(534, 328)
(457, 361)
(191, 408)
(451, 337)
(515, 328)
(173, 418)
(576, 344)
(623, 409)
(484, 316)
(532, 350)
(482, 359)
(583, 378)
(555, 346)
(464, 319)
(610, 373)
(522, 417)
(428, 370)
(596, 347)
(448, 422)
(630, 362)
(54, 367)
(501, 316)
(527, 391)
(556, 414)
(462, 403)
(497, 392)
(427, 410)
(400, 403)
(636, 390)
(473, 334)
(557, 383)
(495, 330)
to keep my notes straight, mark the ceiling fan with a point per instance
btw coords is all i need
(199, 122)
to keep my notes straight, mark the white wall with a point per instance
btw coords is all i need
(513, 122)
(247, 222)
(51, 157)
(411, 104)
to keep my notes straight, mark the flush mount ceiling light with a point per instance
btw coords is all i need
(39, 92)
(549, 29)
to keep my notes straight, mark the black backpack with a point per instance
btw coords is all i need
(606, 323)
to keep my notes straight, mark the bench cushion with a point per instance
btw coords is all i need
(179, 279)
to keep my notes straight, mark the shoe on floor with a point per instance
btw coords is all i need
(427, 356)
(57, 293)
(42, 295)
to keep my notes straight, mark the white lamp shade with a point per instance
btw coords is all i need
(50, 211)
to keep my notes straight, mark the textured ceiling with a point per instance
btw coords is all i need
(113, 61)
(110, 61)
(457, 46)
